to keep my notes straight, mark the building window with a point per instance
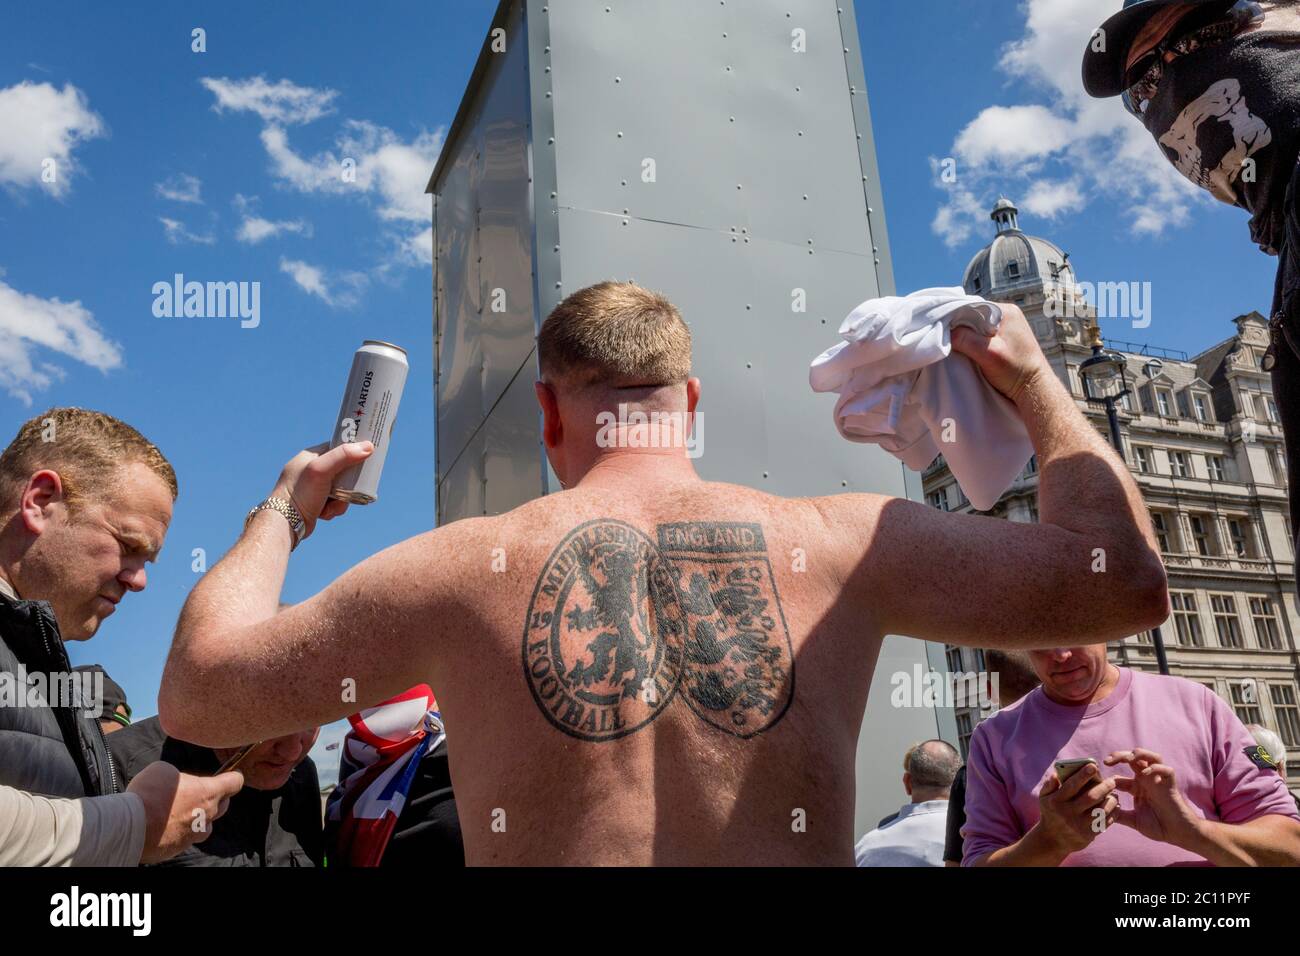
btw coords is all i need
(1200, 535)
(1182, 405)
(1266, 630)
(1275, 465)
(1237, 534)
(1033, 513)
(1161, 528)
(938, 499)
(979, 660)
(1142, 458)
(1144, 395)
(1286, 714)
(953, 656)
(1199, 402)
(1178, 462)
(1245, 700)
(1226, 625)
(1217, 472)
(1270, 408)
(977, 283)
(964, 731)
(1187, 622)
(1162, 399)
(1013, 269)
(1247, 406)
(1126, 400)
(1032, 467)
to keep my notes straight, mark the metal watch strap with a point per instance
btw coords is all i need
(290, 513)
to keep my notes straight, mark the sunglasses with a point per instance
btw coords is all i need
(1142, 79)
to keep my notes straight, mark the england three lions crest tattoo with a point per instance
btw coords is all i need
(620, 625)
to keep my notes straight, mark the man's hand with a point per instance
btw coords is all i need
(308, 477)
(1159, 810)
(180, 808)
(1068, 818)
(1010, 359)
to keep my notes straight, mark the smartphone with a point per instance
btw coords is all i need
(1065, 769)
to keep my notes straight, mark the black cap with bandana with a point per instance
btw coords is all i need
(1103, 63)
(113, 698)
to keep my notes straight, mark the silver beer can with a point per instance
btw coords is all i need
(368, 413)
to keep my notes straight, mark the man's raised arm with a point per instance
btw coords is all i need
(1089, 571)
(239, 672)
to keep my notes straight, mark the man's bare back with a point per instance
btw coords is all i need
(666, 681)
(650, 668)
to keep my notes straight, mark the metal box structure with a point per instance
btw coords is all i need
(719, 152)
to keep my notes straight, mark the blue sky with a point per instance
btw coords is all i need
(224, 166)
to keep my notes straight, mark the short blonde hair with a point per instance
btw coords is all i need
(85, 448)
(615, 334)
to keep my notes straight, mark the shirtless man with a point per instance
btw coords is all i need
(637, 669)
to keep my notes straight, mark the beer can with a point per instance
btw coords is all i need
(368, 413)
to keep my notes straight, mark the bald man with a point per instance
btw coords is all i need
(637, 669)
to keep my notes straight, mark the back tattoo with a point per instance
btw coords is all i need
(619, 625)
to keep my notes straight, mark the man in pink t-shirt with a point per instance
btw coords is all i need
(1175, 767)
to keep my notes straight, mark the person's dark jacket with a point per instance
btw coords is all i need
(52, 751)
(953, 843)
(259, 828)
(427, 832)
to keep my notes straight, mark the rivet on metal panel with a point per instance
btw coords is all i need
(620, 134)
(547, 50)
(844, 484)
(624, 182)
(728, 69)
(798, 89)
(625, 222)
(552, 195)
(548, 69)
(551, 141)
(869, 209)
(800, 132)
(732, 118)
(724, 36)
(739, 186)
(548, 94)
(846, 49)
(557, 285)
(877, 262)
(748, 308)
(764, 474)
(557, 248)
(805, 197)
(746, 240)
(618, 79)
(749, 365)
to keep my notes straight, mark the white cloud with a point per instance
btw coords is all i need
(254, 229)
(177, 233)
(342, 291)
(1012, 134)
(394, 172)
(1050, 199)
(1067, 151)
(42, 126)
(420, 247)
(180, 188)
(282, 102)
(29, 323)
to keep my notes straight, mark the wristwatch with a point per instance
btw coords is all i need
(296, 525)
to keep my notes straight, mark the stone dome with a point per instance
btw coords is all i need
(1015, 261)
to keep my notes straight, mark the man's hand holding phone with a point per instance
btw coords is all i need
(1074, 811)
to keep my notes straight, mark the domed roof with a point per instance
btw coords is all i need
(1014, 260)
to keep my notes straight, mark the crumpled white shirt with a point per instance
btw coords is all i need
(902, 387)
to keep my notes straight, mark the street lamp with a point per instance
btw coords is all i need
(1104, 384)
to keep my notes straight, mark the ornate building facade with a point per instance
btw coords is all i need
(1202, 438)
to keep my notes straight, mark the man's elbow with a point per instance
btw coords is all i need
(1149, 598)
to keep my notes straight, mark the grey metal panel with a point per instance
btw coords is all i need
(512, 447)
(866, 146)
(461, 494)
(505, 216)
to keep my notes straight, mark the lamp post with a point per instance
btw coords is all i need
(1104, 384)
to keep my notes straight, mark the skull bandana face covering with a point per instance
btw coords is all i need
(1228, 117)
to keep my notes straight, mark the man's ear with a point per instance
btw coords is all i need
(692, 395)
(43, 489)
(552, 431)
